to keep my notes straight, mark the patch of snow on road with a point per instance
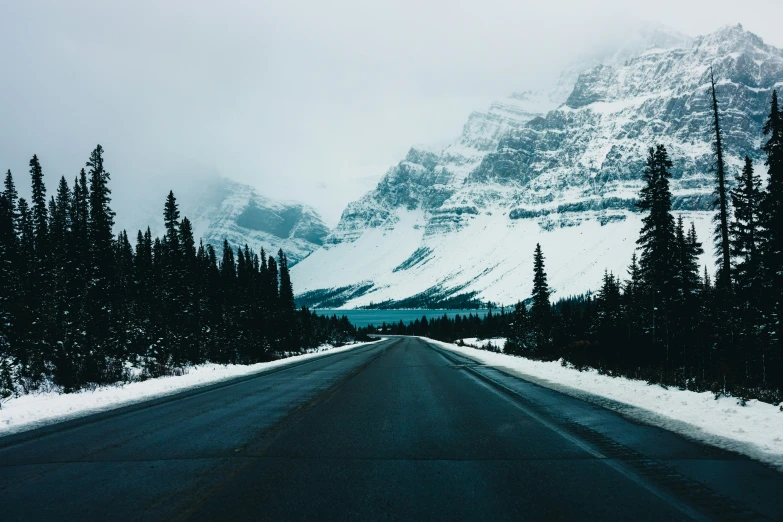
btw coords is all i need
(39, 409)
(755, 430)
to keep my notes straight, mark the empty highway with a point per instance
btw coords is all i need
(396, 430)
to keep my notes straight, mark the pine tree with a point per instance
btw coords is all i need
(121, 340)
(187, 240)
(39, 211)
(684, 305)
(722, 248)
(214, 349)
(101, 216)
(633, 286)
(695, 250)
(191, 323)
(657, 243)
(287, 307)
(10, 194)
(745, 234)
(63, 271)
(705, 360)
(7, 387)
(272, 282)
(772, 216)
(25, 317)
(541, 310)
(9, 266)
(142, 276)
(171, 222)
(633, 304)
(607, 319)
(101, 292)
(61, 227)
(41, 298)
(9, 278)
(688, 250)
(80, 216)
(681, 257)
(228, 269)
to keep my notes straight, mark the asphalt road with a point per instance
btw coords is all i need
(396, 430)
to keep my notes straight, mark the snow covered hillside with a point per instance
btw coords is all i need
(224, 209)
(561, 168)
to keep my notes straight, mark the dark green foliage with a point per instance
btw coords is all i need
(721, 237)
(746, 248)
(657, 262)
(9, 192)
(39, 212)
(286, 306)
(446, 329)
(9, 266)
(541, 310)
(656, 239)
(745, 234)
(772, 225)
(101, 217)
(78, 303)
(519, 338)
(608, 318)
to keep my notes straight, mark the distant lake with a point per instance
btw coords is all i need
(377, 317)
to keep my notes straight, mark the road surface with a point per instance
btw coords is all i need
(397, 430)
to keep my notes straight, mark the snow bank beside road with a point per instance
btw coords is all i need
(755, 429)
(39, 409)
(497, 343)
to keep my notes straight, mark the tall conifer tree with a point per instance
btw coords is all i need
(39, 211)
(745, 233)
(772, 215)
(657, 243)
(101, 216)
(541, 309)
(9, 192)
(722, 247)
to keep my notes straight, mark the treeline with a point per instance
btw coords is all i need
(81, 306)
(666, 320)
(445, 328)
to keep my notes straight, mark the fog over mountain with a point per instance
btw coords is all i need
(464, 220)
(309, 101)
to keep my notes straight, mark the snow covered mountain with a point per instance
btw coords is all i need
(562, 168)
(224, 209)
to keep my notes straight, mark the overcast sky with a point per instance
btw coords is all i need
(306, 100)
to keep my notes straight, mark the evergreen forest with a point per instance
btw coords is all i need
(81, 306)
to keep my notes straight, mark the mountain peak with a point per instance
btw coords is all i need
(222, 208)
(568, 178)
(731, 38)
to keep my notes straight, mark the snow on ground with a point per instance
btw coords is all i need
(39, 409)
(498, 265)
(495, 342)
(755, 429)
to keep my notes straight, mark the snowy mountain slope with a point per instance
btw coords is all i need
(491, 257)
(224, 209)
(567, 178)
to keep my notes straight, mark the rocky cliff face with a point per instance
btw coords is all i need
(223, 209)
(551, 167)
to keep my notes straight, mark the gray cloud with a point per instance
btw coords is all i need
(305, 100)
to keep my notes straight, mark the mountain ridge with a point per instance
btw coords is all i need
(225, 209)
(515, 178)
